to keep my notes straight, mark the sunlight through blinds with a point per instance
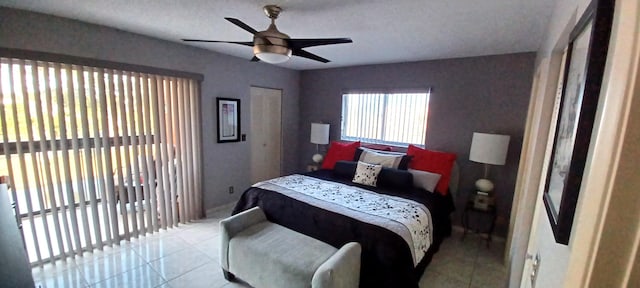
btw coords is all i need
(96, 156)
(396, 119)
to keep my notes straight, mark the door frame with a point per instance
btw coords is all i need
(607, 190)
(598, 257)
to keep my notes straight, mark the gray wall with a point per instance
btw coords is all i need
(225, 164)
(479, 94)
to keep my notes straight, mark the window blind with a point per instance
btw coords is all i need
(97, 155)
(386, 118)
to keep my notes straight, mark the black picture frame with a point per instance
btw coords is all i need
(228, 124)
(583, 70)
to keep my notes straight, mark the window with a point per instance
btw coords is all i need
(95, 155)
(396, 119)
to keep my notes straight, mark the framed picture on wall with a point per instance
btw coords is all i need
(228, 119)
(581, 78)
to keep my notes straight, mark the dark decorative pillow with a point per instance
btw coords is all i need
(395, 179)
(345, 169)
(385, 158)
(404, 164)
(367, 174)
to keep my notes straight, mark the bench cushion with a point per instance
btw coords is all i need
(271, 255)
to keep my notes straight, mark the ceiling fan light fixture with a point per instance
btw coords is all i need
(272, 58)
(272, 46)
(272, 54)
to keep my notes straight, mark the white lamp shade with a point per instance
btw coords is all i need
(319, 133)
(489, 148)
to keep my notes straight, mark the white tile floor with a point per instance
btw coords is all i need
(188, 257)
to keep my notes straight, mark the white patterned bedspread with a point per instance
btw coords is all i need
(407, 218)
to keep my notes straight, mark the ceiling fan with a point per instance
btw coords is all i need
(273, 46)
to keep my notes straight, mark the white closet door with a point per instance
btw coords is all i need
(266, 133)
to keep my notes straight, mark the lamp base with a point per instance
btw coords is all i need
(484, 185)
(317, 158)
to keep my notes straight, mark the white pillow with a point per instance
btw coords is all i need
(386, 159)
(367, 174)
(425, 180)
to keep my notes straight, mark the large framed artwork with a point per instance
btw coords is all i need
(581, 79)
(228, 119)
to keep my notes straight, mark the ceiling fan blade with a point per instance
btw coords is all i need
(241, 25)
(255, 59)
(214, 41)
(308, 55)
(247, 28)
(303, 43)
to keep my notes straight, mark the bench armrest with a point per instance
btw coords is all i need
(231, 226)
(342, 269)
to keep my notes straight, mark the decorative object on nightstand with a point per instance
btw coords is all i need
(319, 136)
(482, 200)
(488, 149)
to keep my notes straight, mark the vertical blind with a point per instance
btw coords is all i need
(96, 155)
(386, 118)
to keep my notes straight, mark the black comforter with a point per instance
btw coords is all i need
(386, 257)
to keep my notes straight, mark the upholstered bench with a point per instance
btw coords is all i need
(265, 254)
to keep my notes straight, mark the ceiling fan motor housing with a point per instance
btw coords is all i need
(271, 41)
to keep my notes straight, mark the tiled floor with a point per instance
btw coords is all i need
(188, 257)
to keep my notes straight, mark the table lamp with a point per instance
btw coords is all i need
(319, 136)
(488, 149)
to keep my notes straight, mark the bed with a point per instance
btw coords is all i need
(313, 203)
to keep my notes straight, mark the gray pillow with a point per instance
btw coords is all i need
(425, 180)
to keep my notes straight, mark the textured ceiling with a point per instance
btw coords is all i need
(383, 31)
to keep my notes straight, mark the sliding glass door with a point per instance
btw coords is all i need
(97, 155)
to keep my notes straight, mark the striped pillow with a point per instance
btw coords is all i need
(385, 159)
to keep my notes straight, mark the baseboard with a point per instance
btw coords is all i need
(214, 210)
(460, 230)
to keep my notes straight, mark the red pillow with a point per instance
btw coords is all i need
(339, 151)
(434, 162)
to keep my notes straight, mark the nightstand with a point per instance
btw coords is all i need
(479, 220)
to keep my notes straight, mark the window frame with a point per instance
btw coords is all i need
(386, 92)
